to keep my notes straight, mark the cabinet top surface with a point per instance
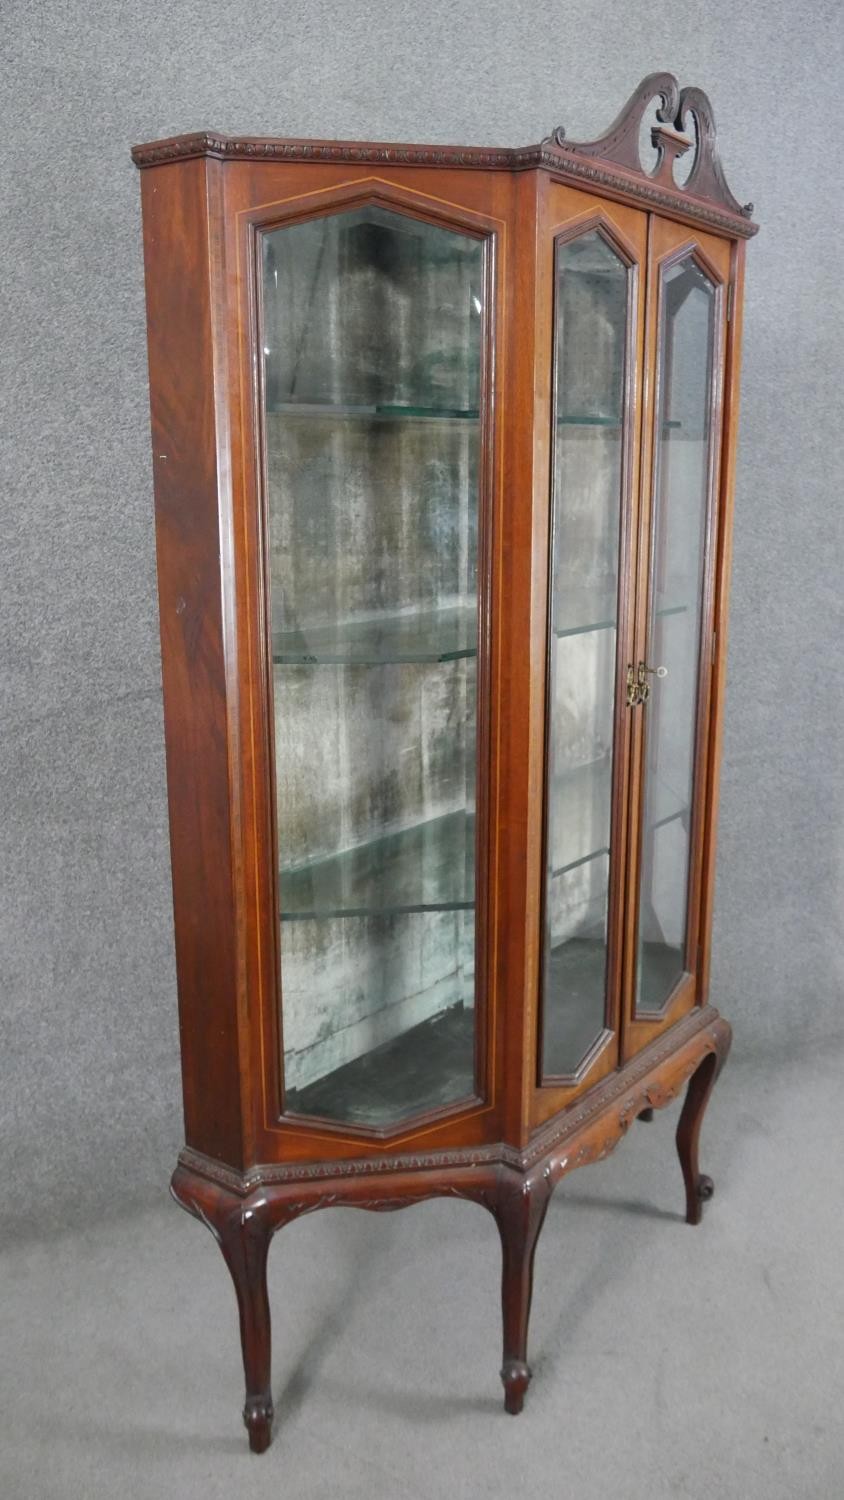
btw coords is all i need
(612, 162)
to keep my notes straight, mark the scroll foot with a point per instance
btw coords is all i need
(515, 1375)
(258, 1420)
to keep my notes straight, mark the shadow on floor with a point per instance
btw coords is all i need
(639, 1206)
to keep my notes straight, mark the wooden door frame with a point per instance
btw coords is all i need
(564, 214)
(669, 243)
(257, 202)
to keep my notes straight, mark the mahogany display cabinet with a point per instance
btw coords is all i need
(443, 446)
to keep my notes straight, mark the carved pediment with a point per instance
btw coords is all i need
(685, 122)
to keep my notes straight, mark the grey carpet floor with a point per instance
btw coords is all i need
(668, 1361)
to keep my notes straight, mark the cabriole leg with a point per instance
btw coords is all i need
(243, 1230)
(699, 1187)
(520, 1213)
(245, 1242)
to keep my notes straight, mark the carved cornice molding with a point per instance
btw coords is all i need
(672, 201)
(617, 1099)
(247, 148)
(611, 162)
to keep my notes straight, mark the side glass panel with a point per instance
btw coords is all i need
(682, 473)
(372, 337)
(592, 298)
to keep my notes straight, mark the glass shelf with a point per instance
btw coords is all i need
(585, 419)
(582, 610)
(684, 430)
(588, 789)
(436, 635)
(430, 1064)
(380, 411)
(430, 867)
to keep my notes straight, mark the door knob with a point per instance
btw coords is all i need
(642, 679)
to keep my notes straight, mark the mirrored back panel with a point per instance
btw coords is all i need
(373, 330)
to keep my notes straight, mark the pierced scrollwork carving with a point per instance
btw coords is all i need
(706, 179)
(620, 144)
(677, 113)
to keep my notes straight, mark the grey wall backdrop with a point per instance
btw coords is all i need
(90, 1099)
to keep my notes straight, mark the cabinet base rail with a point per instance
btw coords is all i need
(243, 1210)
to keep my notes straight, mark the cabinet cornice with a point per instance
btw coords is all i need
(610, 163)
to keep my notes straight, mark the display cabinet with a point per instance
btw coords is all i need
(443, 447)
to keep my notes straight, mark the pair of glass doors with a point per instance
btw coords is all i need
(376, 332)
(638, 329)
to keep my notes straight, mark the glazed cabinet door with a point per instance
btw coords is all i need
(670, 675)
(375, 328)
(595, 253)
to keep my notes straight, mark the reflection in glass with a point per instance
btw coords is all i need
(372, 343)
(591, 305)
(684, 447)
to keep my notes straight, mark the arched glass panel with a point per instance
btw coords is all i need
(372, 334)
(684, 450)
(592, 307)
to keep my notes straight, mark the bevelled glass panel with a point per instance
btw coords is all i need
(682, 472)
(590, 335)
(372, 333)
